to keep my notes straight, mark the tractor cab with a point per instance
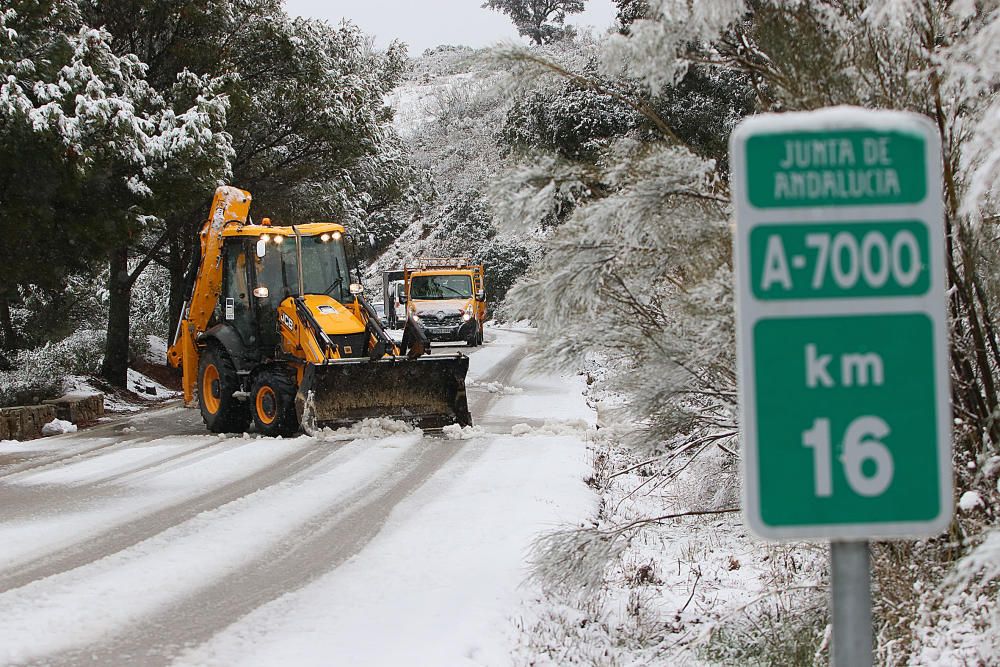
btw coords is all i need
(273, 277)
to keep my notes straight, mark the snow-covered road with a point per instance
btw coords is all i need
(150, 542)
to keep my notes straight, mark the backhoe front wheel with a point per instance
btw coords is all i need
(273, 402)
(476, 339)
(217, 382)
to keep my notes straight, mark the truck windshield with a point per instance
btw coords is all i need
(441, 287)
(324, 269)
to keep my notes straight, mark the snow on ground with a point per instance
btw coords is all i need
(416, 103)
(435, 533)
(45, 616)
(684, 589)
(439, 583)
(42, 532)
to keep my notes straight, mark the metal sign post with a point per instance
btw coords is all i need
(851, 604)
(842, 339)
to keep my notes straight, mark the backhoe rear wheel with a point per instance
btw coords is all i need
(217, 381)
(273, 402)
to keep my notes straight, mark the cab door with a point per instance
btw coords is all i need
(236, 297)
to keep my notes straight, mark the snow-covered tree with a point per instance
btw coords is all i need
(629, 11)
(305, 127)
(640, 274)
(541, 21)
(88, 137)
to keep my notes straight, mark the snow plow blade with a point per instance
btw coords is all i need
(428, 392)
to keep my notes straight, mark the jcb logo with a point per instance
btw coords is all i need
(287, 322)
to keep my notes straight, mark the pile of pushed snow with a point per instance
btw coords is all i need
(367, 429)
(573, 427)
(495, 387)
(58, 427)
(457, 432)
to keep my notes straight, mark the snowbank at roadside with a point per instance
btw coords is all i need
(58, 427)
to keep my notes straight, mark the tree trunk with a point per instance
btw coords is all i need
(176, 268)
(183, 260)
(115, 366)
(9, 341)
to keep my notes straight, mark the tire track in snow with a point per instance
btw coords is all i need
(30, 463)
(329, 539)
(322, 543)
(98, 481)
(158, 419)
(122, 536)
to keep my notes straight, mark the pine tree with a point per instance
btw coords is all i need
(639, 275)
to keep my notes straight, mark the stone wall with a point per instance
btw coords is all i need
(79, 408)
(25, 423)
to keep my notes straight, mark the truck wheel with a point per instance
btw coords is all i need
(474, 338)
(479, 336)
(217, 381)
(273, 402)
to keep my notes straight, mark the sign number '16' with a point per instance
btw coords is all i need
(862, 443)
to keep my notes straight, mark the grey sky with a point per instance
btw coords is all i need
(426, 23)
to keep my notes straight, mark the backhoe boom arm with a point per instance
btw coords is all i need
(229, 206)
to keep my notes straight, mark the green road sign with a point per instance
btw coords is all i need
(842, 333)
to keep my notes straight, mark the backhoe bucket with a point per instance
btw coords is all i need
(428, 392)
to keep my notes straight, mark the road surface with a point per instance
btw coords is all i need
(148, 541)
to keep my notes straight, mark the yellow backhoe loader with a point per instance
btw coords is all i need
(276, 332)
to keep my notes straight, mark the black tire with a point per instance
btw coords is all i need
(272, 401)
(479, 338)
(473, 340)
(222, 412)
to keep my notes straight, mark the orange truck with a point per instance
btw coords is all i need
(446, 295)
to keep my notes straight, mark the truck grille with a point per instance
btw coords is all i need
(356, 343)
(432, 320)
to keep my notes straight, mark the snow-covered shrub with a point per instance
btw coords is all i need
(39, 373)
(574, 121)
(43, 315)
(506, 259)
